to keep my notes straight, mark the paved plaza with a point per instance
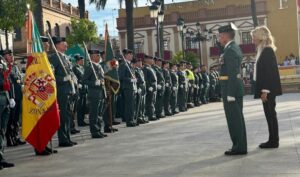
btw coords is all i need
(190, 144)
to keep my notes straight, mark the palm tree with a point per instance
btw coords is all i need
(100, 4)
(81, 6)
(253, 13)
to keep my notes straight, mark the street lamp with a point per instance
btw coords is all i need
(158, 15)
(204, 35)
(180, 28)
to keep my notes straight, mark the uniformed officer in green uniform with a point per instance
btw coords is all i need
(232, 90)
(200, 85)
(182, 90)
(128, 88)
(151, 87)
(159, 105)
(196, 88)
(168, 88)
(141, 93)
(94, 78)
(5, 103)
(191, 82)
(82, 91)
(205, 83)
(13, 127)
(212, 85)
(174, 92)
(65, 90)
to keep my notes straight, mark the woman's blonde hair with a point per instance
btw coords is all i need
(263, 34)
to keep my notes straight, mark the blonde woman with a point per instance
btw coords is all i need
(267, 79)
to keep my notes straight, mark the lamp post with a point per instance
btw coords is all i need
(180, 25)
(204, 35)
(158, 16)
(161, 32)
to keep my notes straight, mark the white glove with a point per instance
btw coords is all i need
(139, 90)
(133, 80)
(174, 88)
(79, 86)
(167, 84)
(67, 78)
(97, 83)
(181, 86)
(230, 99)
(190, 85)
(1, 66)
(12, 103)
(150, 89)
(159, 86)
(195, 86)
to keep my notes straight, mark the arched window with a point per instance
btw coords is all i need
(48, 27)
(67, 31)
(56, 30)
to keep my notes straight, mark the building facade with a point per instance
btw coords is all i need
(53, 16)
(281, 16)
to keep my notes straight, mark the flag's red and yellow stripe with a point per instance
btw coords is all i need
(40, 115)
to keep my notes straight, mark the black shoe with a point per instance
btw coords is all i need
(141, 121)
(20, 142)
(51, 150)
(104, 135)
(268, 145)
(109, 130)
(74, 131)
(116, 123)
(44, 153)
(73, 142)
(230, 152)
(98, 136)
(152, 119)
(65, 144)
(1, 167)
(83, 124)
(146, 121)
(131, 124)
(5, 164)
(169, 114)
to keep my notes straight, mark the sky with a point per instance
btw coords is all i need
(109, 14)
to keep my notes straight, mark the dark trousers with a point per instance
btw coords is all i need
(13, 125)
(149, 107)
(106, 115)
(64, 104)
(271, 116)
(4, 116)
(166, 102)
(236, 123)
(182, 99)
(96, 112)
(159, 105)
(173, 101)
(80, 108)
(129, 105)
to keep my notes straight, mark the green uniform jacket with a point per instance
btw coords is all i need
(64, 87)
(150, 77)
(141, 84)
(230, 66)
(90, 80)
(174, 78)
(126, 74)
(160, 76)
(167, 77)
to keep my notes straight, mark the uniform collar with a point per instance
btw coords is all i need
(228, 43)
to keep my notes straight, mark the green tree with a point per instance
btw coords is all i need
(12, 15)
(190, 57)
(100, 4)
(83, 30)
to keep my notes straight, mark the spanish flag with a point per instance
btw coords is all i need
(40, 113)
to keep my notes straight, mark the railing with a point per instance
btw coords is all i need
(202, 14)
